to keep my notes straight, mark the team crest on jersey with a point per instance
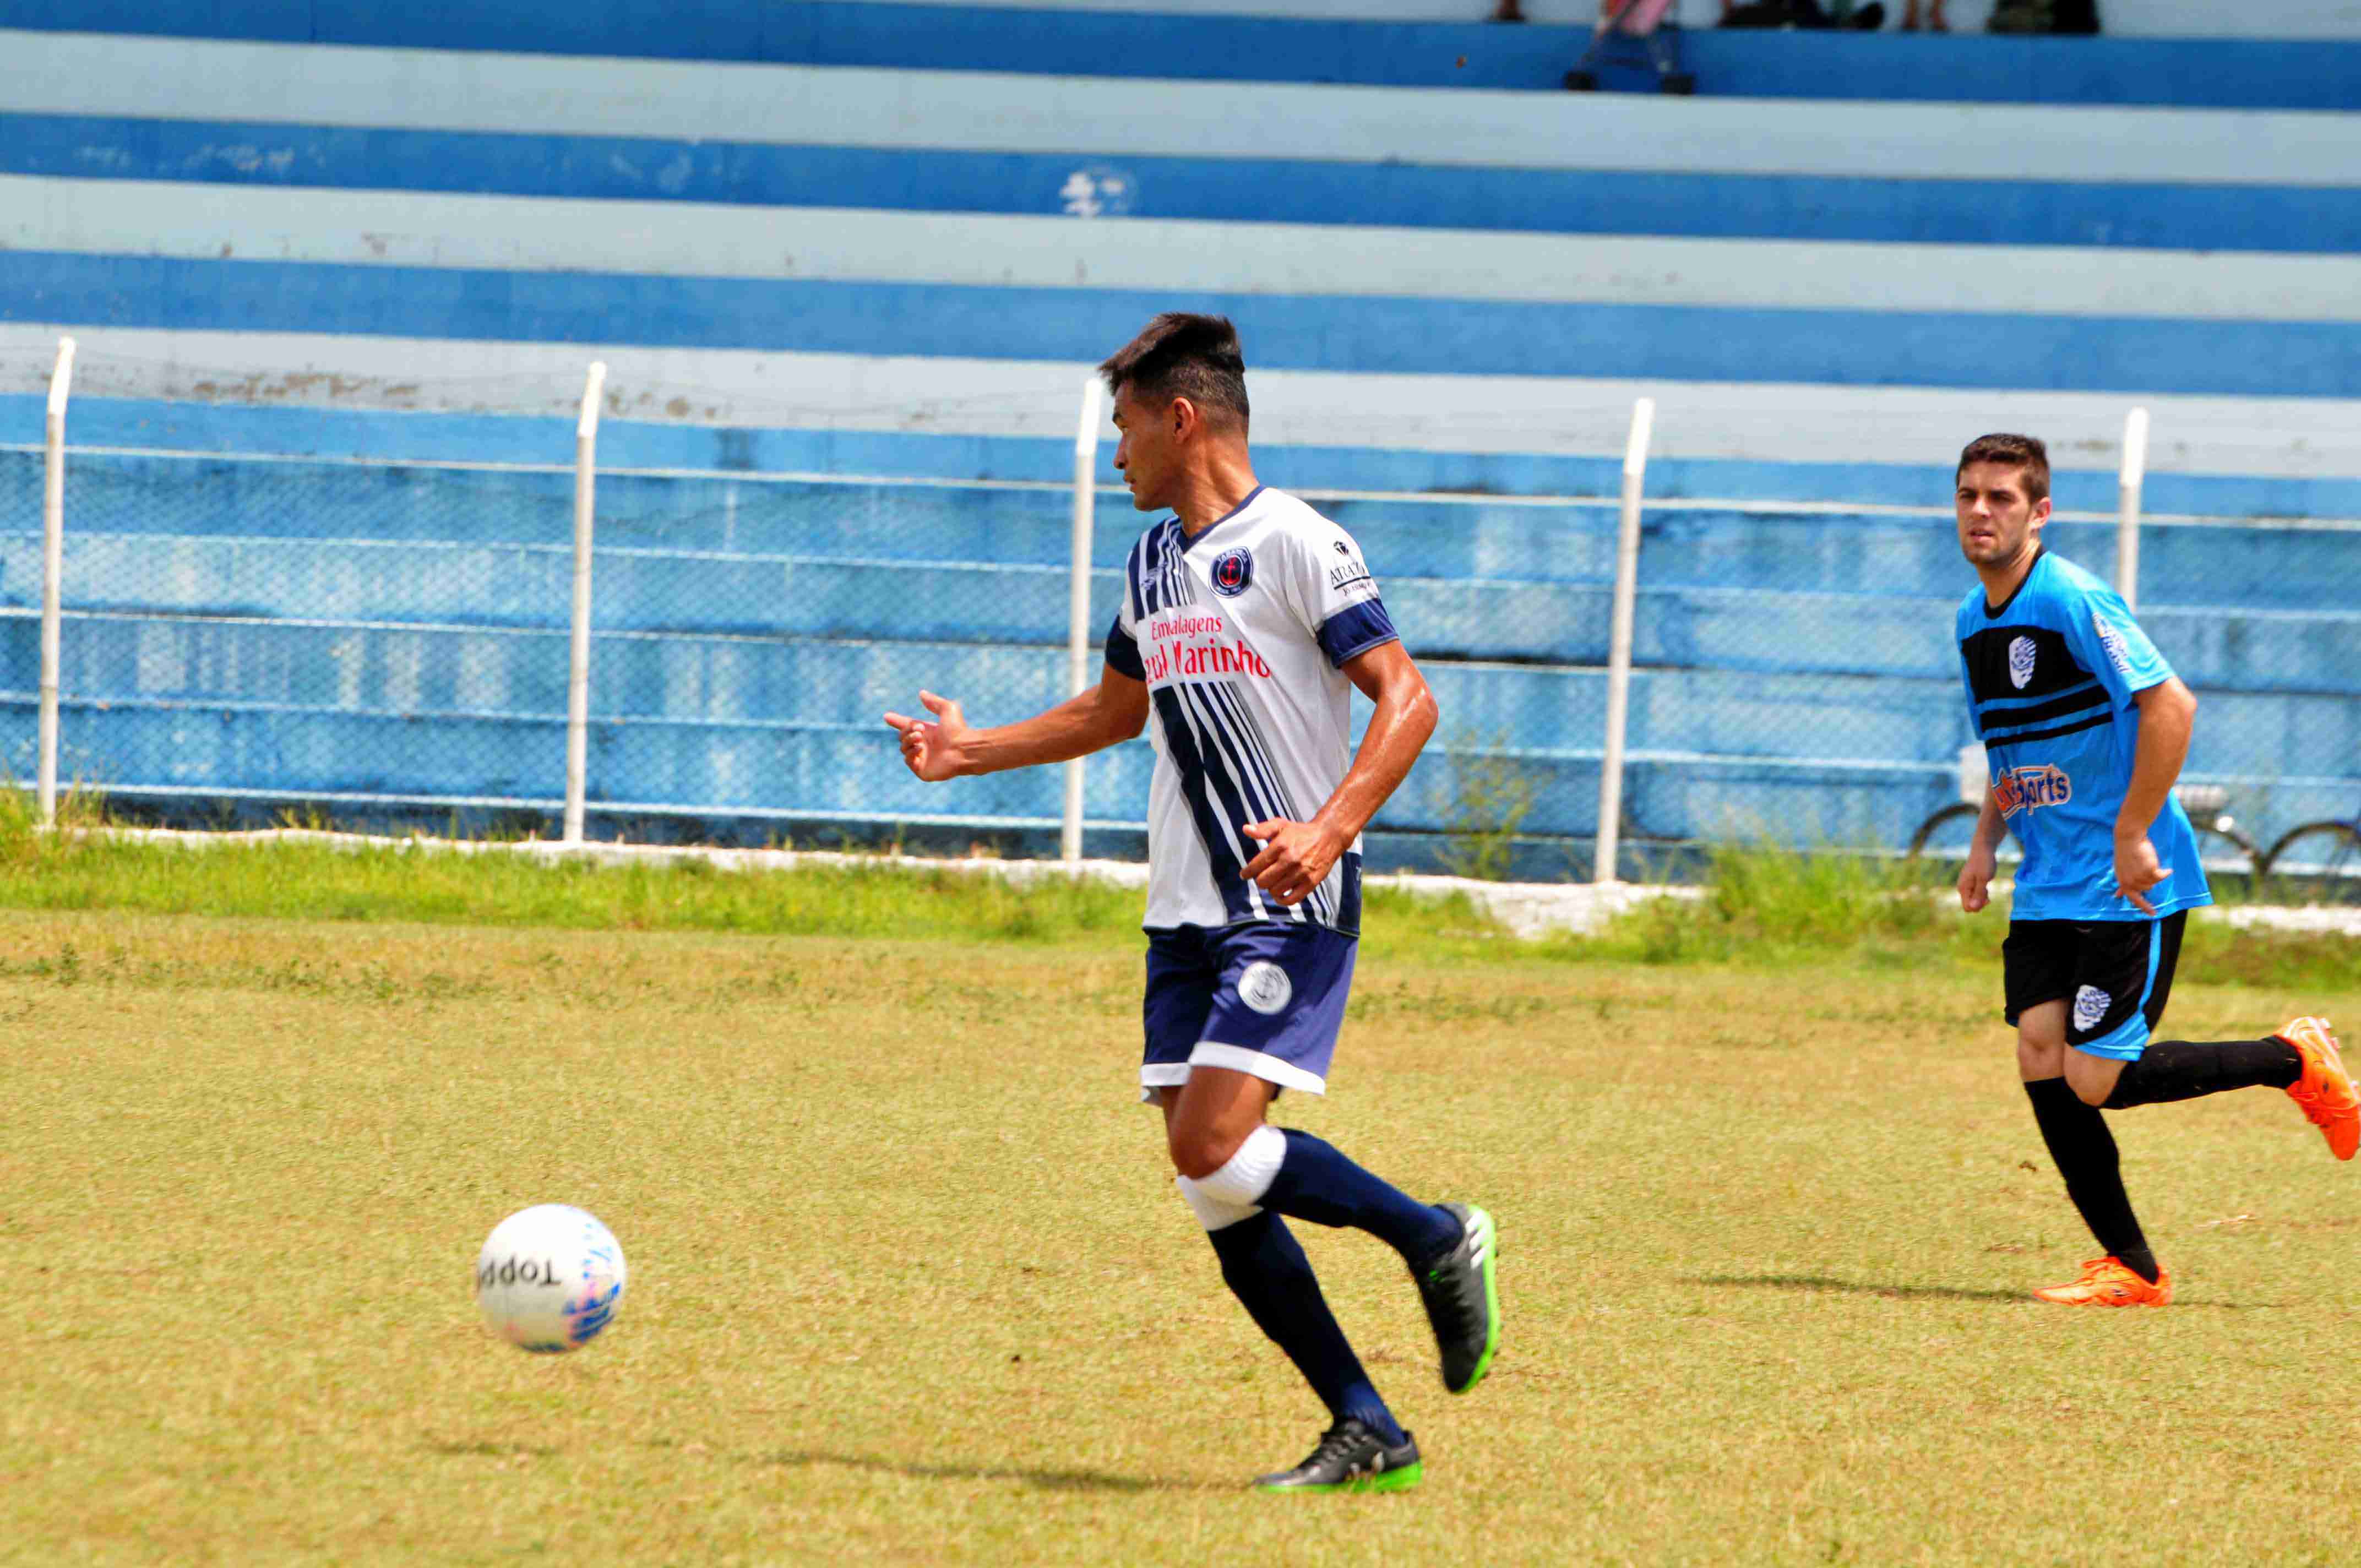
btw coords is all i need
(2113, 641)
(2028, 789)
(2091, 1005)
(1264, 986)
(2020, 662)
(1233, 570)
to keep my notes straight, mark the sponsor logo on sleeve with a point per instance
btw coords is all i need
(2031, 788)
(2020, 662)
(2111, 641)
(1349, 577)
(2091, 1005)
(1264, 986)
(1233, 570)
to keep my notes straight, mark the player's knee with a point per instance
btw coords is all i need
(1199, 1151)
(2093, 1081)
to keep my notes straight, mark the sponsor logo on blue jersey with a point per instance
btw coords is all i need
(2113, 641)
(2031, 788)
(2020, 661)
(1233, 570)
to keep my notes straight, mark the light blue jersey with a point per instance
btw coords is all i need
(2050, 677)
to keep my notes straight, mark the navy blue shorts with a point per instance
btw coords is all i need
(1260, 998)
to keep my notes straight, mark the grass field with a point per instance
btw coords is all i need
(910, 1283)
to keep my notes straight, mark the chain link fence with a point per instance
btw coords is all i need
(388, 643)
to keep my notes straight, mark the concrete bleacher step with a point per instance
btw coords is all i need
(1892, 205)
(2256, 72)
(1734, 619)
(1539, 710)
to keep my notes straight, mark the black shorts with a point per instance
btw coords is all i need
(2114, 974)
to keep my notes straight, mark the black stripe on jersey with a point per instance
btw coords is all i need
(1139, 573)
(1231, 704)
(1155, 566)
(1180, 745)
(1994, 719)
(1986, 654)
(2103, 716)
(1232, 782)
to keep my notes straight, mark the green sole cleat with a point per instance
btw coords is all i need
(1401, 1480)
(1349, 1457)
(1461, 1291)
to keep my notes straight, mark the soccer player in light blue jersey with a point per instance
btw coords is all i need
(2086, 728)
(1248, 621)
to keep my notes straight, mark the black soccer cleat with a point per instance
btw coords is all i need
(1351, 1458)
(1462, 1300)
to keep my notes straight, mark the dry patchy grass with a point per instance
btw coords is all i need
(910, 1284)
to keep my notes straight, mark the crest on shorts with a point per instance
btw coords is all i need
(1264, 986)
(2091, 1005)
(1233, 570)
(2020, 662)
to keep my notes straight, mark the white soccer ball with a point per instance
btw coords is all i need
(550, 1277)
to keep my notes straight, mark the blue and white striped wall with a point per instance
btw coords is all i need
(361, 250)
(756, 225)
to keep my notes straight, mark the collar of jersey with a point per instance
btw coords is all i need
(1994, 611)
(1189, 544)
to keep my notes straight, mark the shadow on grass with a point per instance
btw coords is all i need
(1905, 1292)
(1857, 1288)
(1042, 1480)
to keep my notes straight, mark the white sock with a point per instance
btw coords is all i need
(1211, 1211)
(1251, 1170)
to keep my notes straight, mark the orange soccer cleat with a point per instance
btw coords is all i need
(2325, 1090)
(2105, 1282)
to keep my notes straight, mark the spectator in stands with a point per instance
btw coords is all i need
(2076, 17)
(1805, 14)
(1935, 22)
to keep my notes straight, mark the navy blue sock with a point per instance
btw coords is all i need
(1317, 1183)
(1265, 1267)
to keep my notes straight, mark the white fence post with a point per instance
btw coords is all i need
(2127, 507)
(1619, 649)
(1078, 603)
(577, 681)
(53, 563)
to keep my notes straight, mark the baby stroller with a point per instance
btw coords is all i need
(1633, 32)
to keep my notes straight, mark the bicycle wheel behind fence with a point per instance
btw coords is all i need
(2316, 864)
(1940, 845)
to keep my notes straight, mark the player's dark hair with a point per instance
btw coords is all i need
(2024, 452)
(1183, 355)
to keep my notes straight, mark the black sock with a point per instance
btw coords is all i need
(2085, 1155)
(2176, 1069)
(1318, 1183)
(1265, 1267)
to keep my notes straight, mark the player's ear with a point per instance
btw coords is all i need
(1185, 418)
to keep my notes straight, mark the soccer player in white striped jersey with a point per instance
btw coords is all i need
(1248, 619)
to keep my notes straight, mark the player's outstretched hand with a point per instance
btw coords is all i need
(1975, 878)
(1295, 858)
(931, 749)
(2136, 873)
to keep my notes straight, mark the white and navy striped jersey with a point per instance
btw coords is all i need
(1241, 634)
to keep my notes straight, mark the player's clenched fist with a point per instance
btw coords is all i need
(1295, 858)
(1975, 878)
(931, 749)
